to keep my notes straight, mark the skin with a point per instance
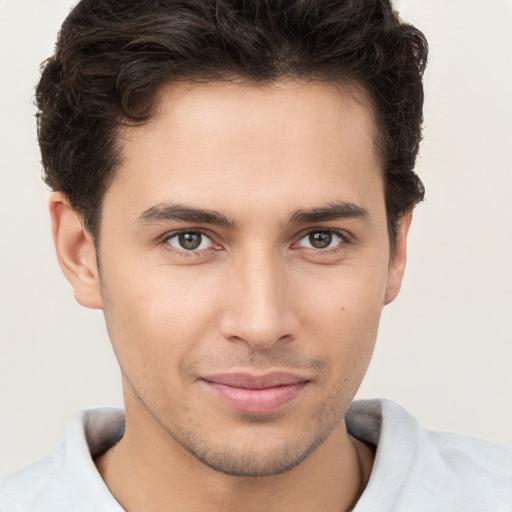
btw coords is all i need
(256, 296)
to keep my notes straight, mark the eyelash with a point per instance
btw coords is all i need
(183, 252)
(344, 237)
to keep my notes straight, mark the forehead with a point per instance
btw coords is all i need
(220, 144)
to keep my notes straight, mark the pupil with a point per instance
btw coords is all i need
(320, 240)
(190, 241)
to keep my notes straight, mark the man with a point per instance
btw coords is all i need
(233, 188)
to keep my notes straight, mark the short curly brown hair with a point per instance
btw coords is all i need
(113, 56)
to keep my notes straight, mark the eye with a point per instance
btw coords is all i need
(189, 241)
(321, 240)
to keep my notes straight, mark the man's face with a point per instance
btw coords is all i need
(244, 265)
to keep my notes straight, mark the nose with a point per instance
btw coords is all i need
(258, 307)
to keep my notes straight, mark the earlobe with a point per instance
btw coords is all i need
(75, 251)
(398, 263)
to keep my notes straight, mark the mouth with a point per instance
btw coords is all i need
(256, 394)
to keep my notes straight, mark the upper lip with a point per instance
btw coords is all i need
(251, 381)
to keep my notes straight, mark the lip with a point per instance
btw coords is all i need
(256, 394)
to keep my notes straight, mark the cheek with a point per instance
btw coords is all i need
(156, 319)
(349, 299)
(344, 314)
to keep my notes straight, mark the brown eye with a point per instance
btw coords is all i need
(189, 241)
(321, 240)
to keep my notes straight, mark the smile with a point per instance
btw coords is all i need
(256, 394)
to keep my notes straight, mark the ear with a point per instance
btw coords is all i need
(397, 265)
(75, 251)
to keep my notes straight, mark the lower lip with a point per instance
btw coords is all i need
(256, 401)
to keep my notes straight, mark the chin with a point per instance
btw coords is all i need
(254, 458)
(254, 464)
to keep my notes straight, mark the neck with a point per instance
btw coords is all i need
(147, 471)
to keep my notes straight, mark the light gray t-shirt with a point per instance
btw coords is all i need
(415, 470)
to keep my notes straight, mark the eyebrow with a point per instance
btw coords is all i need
(332, 211)
(165, 212)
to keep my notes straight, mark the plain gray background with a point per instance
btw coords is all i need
(445, 346)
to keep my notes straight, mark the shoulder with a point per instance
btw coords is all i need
(468, 452)
(36, 487)
(421, 470)
(67, 480)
